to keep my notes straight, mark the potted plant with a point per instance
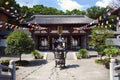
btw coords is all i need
(109, 52)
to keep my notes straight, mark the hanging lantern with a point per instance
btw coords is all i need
(15, 11)
(102, 24)
(7, 10)
(1, 26)
(105, 26)
(33, 26)
(7, 2)
(12, 13)
(110, 26)
(11, 7)
(112, 20)
(21, 20)
(119, 22)
(106, 22)
(100, 18)
(109, 13)
(117, 18)
(29, 24)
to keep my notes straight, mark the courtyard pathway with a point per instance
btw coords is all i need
(83, 69)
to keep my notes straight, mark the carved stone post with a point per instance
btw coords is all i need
(13, 71)
(112, 71)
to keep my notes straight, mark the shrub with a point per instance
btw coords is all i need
(83, 53)
(41, 57)
(5, 62)
(35, 53)
(79, 56)
(98, 61)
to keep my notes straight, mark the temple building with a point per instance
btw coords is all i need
(4, 18)
(73, 29)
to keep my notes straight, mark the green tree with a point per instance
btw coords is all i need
(75, 12)
(18, 43)
(98, 38)
(43, 10)
(95, 12)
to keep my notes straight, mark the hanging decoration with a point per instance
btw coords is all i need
(7, 3)
(101, 20)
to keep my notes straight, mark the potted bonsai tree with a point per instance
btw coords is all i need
(109, 52)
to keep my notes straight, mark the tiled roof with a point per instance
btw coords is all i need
(59, 19)
(116, 11)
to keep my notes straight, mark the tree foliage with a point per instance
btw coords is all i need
(99, 36)
(75, 12)
(12, 7)
(111, 51)
(95, 12)
(18, 43)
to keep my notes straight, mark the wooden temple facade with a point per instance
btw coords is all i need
(4, 18)
(51, 27)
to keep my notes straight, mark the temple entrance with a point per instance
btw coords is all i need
(54, 39)
(75, 43)
(43, 43)
(71, 42)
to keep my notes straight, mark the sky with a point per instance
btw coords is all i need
(65, 4)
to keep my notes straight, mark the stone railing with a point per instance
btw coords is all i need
(114, 70)
(11, 75)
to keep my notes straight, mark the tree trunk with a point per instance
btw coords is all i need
(20, 57)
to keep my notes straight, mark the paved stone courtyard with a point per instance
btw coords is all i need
(83, 69)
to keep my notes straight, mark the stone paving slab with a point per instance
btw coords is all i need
(83, 69)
